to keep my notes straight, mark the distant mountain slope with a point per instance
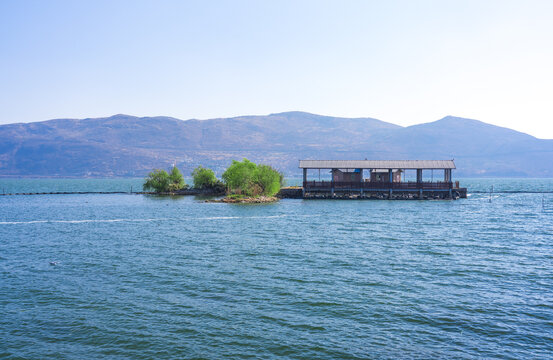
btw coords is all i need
(123, 145)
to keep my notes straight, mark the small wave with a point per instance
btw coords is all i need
(147, 220)
(76, 221)
(144, 220)
(218, 218)
(248, 217)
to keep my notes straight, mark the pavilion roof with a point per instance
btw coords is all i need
(377, 164)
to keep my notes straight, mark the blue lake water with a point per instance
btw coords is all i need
(143, 277)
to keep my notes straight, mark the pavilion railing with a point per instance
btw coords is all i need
(409, 185)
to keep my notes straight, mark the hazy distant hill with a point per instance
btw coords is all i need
(123, 145)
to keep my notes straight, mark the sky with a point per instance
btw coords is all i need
(404, 62)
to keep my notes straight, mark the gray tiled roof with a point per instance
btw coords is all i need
(377, 164)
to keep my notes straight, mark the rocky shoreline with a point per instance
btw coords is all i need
(246, 200)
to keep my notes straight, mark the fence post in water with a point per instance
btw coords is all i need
(491, 192)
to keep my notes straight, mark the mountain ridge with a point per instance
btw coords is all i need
(127, 145)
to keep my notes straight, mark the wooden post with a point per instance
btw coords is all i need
(361, 183)
(447, 175)
(391, 180)
(304, 182)
(419, 182)
(332, 182)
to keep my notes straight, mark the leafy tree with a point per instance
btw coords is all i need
(160, 181)
(245, 177)
(268, 179)
(204, 178)
(176, 180)
(239, 176)
(157, 180)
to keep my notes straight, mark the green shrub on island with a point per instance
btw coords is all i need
(205, 179)
(176, 180)
(268, 179)
(239, 176)
(246, 178)
(160, 181)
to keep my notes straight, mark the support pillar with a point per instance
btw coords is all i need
(447, 175)
(449, 183)
(304, 182)
(419, 182)
(361, 190)
(391, 179)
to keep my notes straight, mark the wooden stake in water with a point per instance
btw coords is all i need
(491, 192)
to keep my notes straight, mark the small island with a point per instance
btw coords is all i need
(242, 182)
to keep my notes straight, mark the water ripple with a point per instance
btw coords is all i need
(92, 276)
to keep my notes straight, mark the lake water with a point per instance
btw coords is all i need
(144, 277)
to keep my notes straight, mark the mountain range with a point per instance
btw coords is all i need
(123, 145)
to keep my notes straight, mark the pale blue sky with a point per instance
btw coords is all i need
(404, 62)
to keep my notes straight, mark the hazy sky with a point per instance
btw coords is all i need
(404, 62)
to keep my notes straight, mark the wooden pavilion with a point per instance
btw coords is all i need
(384, 181)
